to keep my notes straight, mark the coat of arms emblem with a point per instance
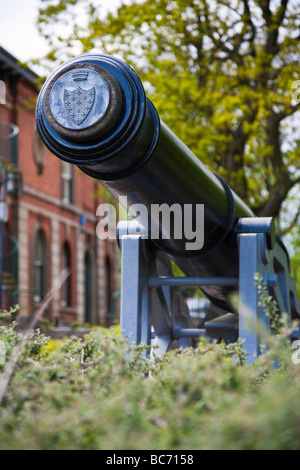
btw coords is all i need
(78, 103)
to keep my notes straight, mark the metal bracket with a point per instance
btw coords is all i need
(259, 253)
(154, 313)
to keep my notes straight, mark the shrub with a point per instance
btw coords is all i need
(96, 393)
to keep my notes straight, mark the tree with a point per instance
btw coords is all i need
(223, 74)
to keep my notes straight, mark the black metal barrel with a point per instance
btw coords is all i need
(93, 112)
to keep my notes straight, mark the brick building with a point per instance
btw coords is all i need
(51, 222)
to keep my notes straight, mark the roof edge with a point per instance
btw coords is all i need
(16, 65)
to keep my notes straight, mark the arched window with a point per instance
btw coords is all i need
(108, 284)
(40, 264)
(66, 264)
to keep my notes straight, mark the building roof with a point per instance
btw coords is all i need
(12, 67)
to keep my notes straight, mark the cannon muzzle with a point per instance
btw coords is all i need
(93, 112)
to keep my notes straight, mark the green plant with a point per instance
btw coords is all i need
(99, 393)
(277, 319)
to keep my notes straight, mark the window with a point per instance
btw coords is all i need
(2, 92)
(39, 153)
(87, 287)
(39, 265)
(67, 182)
(66, 264)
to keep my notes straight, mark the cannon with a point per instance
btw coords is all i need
(93, 112)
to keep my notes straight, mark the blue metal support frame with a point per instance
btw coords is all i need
(153, 312)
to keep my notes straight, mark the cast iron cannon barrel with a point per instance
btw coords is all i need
(93, 112)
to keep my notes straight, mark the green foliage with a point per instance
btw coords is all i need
(219, 73)
(222, 74)
(295, 260)
(10, 338)
(96, 393)
(269, 304)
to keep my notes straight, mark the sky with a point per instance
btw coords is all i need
(18, 30)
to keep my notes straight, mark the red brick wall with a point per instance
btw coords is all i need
(42, 203)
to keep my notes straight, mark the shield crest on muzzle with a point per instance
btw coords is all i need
(79, 103)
